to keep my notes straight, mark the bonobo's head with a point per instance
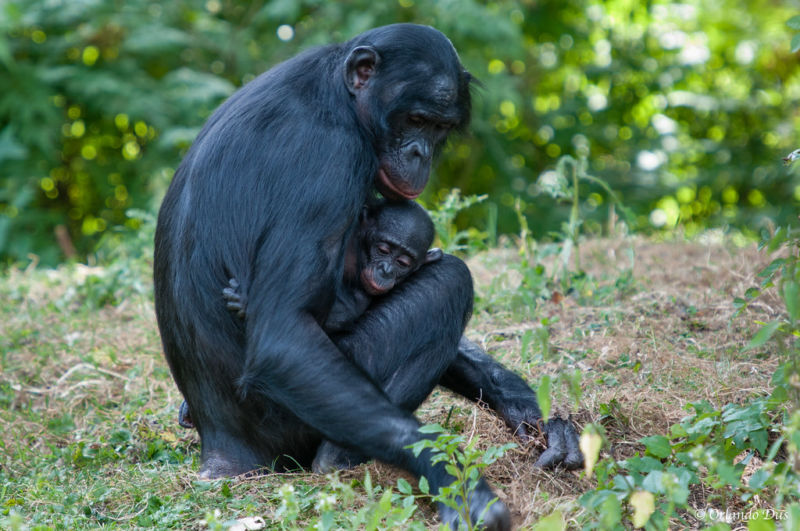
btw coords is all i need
(410, 92)
(394, 243)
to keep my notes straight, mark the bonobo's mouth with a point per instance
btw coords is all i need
(391, 190)
(370, 286)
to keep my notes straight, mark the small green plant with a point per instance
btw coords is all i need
(463, 461)
(563, 184)
(321, 507)
(783, 275)
(444, 215)
(711, 449)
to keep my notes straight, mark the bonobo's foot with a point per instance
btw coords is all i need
(331, 457)
(562, 446)
(494, 518)
(235, 300)
(184, 417)
(217, 466)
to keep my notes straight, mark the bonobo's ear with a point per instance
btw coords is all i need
(433, 255)
(359, 67)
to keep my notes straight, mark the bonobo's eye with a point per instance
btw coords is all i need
(404, 261)
(384, 248)
(416, 119)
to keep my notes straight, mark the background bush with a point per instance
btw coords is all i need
(684, 109)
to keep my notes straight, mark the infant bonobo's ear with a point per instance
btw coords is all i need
(433, 255)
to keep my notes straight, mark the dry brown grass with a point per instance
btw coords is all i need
(649, 354)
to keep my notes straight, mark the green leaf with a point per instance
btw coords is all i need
(760, 521)
(794, 22)
(403, 486)
(795, 43)
(657, 445)
(611, 511)
(763, 335)
(423, 485)
(551, 522)
(791, 296)
(431, 428)
(728, 474)
(759, 479)
(752, 293)
(543, 395)
(759, 440)
(385, 503)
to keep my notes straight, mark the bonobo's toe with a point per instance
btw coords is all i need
(185, 417)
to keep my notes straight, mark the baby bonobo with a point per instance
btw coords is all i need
(392, 243)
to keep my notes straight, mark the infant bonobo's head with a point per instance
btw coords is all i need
(395, 237)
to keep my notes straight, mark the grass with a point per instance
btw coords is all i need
(88, 410)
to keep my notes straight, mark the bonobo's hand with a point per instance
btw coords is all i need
(237, 302)
(495, 518)
(562, 440)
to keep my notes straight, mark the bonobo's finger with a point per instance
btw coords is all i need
(233, 283)
(495, 517)
(230, 294)
(574, 458)
(556, 448)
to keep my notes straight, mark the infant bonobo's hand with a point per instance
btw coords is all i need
(236, 301)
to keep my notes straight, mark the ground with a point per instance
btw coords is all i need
(88, 417)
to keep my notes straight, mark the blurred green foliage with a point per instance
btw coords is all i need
(683, 108)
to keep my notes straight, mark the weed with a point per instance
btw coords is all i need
(463, 461)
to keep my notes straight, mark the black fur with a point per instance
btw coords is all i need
(270, 194)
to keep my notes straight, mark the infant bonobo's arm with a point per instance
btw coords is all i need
(350, 304)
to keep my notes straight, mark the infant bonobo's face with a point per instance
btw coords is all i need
(394, 243)
(387, 264)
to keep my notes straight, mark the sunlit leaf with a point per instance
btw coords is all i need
(763, 335)
(590, 444)
(543, 396)
(644, 505)
(552, 522)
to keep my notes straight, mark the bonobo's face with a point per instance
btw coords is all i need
(395, 238)
(410, 92)
(387, 263)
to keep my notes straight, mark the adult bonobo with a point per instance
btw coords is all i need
(269, 194)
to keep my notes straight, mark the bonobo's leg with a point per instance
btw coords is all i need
(476, 376)
(407, 339)
(405, 342)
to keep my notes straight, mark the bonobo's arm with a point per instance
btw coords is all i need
(476, 376)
